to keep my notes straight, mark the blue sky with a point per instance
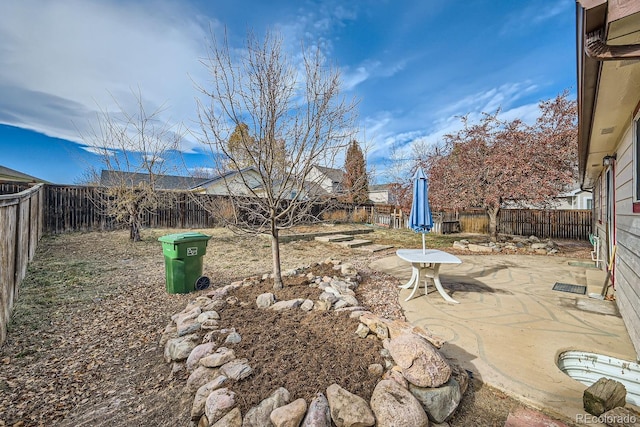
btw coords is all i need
(415, 66)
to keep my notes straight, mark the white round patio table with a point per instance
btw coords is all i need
(426, 264)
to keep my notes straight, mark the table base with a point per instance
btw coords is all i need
(422, 271)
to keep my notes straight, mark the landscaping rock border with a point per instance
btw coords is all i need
(417, 383)
(514, 244)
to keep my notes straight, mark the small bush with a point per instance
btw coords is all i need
(361, 215)
(336, 216)
(223, 211)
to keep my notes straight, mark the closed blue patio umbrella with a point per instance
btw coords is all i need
(420, 219)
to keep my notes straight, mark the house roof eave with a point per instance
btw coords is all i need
(590, 15)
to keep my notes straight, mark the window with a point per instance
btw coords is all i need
(589, 204)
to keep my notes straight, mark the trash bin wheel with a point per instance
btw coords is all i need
(203, 282)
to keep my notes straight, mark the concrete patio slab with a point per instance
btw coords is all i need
(510, 326)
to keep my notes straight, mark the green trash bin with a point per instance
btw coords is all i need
(183, 254)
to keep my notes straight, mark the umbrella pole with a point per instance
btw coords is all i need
(423, 245)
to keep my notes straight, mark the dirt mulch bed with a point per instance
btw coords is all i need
(302, 352)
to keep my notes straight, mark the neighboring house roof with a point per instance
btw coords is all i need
(314, 189)
(222, 177)
(607, 80)
(379, 187)
(8, 174)
(335, 175)
(163, 182)
(572, 193)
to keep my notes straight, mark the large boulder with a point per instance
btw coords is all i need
(218, 358)
(395, 406)
(289, 415)
(232, 419)
(348, 409)
(259, 416)
(218, 403)
(197, 409)
(439, 403)
(199, 377)
(420, 361)
(318, 414)
(178, 349)
(198, 353)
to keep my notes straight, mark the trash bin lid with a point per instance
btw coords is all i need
(184, 238)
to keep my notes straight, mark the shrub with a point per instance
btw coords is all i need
(336, 216)
(360, 215)
(223, 210)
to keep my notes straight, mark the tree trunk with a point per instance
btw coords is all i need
(275, 251)
(493, 223)
(134, 228)
(134, 232)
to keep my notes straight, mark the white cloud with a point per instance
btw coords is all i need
(100, 151)
(491, 99)
(387, 134)
(62, 59)
(352, 78)
(534, 14)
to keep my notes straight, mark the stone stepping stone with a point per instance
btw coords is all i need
(333, 238)
(375, 248)
(523, 417)
(355, 243)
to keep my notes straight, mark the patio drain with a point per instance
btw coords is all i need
(566, 287)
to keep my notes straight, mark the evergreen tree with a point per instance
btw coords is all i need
(242, 146)
(356, 181)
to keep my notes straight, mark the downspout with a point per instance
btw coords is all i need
(598, 49)
(612, 267)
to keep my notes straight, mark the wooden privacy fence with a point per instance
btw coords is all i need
(474, 221)
(549, 223)
(542, 223)
(21, 226)
(77, 208)
(546, 224)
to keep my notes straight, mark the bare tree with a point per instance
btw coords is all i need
(134, 149)
(293, 117)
